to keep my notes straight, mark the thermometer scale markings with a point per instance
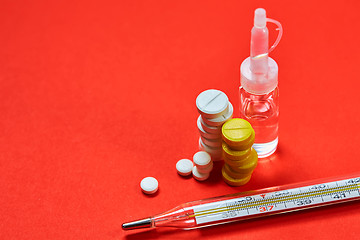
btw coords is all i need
(295, 198)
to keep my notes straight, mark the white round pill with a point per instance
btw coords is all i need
(215, 153)
(149, 185)
(201, 158)
(199, 176)
(212, 103)
(207, 134)
(184, 167)
(220, 120)
(212, 142)
(210, 150)
(208, 128)
(205, 169)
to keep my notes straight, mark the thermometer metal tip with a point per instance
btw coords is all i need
(142, 223)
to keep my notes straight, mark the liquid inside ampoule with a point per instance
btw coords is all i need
(262, 111)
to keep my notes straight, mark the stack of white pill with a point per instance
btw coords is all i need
(203, 166)
(215, 109)
(200, 167)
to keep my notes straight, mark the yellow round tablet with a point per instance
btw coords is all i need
(249, 165)
(228, 169)
(233, 181)
(234, 163)
(248, 145)
(249, 158)
(234, 154)
(238, 134)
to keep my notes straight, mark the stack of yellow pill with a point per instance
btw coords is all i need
(239, 156)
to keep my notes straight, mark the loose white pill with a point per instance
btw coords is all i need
(199, 176)
(207, 134)
(201, 158)
(149, 185)
(208, 128)
(212, 103)
(205, 169)
(184, 167)
(220, 120)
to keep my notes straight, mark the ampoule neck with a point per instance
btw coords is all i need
(259, 46)
(259, 83)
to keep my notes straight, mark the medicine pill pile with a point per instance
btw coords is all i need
(215, 109)
(203, 166)
(239, 156)
(200, 167)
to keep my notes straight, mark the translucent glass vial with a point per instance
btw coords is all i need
(262, 111)
(259, 94)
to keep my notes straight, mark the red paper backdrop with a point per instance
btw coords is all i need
(96, 95)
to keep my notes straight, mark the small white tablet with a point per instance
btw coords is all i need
(201, 158)
(208, 128)
(205, 169)
(149, 185)
(216, 143)
(199, 176)
(212, 103)
(207, 134)
(220, 120)
(184, 167)
(210, 150)
(215, 153)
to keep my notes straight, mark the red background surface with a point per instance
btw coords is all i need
(96, 95)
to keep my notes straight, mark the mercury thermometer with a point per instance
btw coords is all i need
(252, 204)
